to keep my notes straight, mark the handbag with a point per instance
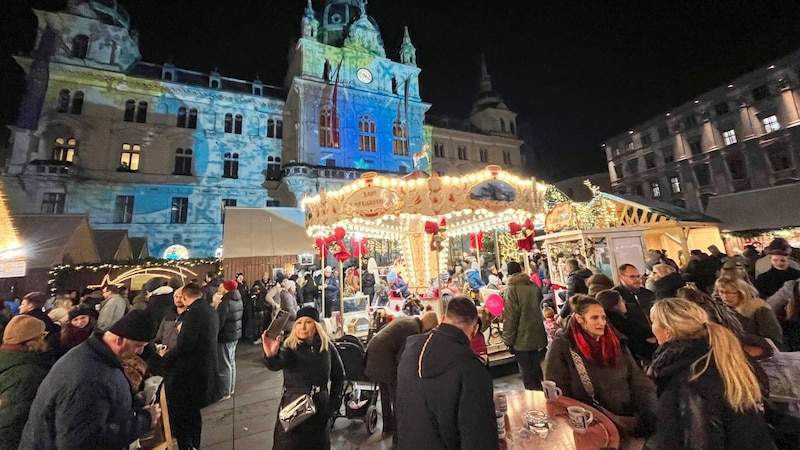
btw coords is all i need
(297, 411)
(627, 425)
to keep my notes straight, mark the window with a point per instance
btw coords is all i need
(736, 166)
(779, 157)
(230, 166)
(629, 146)
(181, 117)
(80, 46)
(690, 121)
(399, 138)
(193, 118)
(502, 125)
(663, 132)
(129, 158)
(367, 138)
(484, 155)
(513, 128)
(506, 157)
(702, 174)
(63, 150)
(328, 129)
(273, 203)
(237, 124)
(650, 161)
(438, 150)
(696, 147)
(229, 123)
(722, 108)
(462, 152)
(771, 124)
(675, 184)
(655, 189)
(180, 210)
(273, 171)
(77, 103)
(53, 203)
(668, 153)
(633, 166)
(618, 170)
(275, 128)
(130, 110)
(761, 92)
(63, 100)
(645, 140)
(225, 203)
(123, 209)
(729, 136)
(183, 161)
(141, 113)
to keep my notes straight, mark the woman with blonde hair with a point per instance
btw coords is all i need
(708, 394)
(309, 361)
(755, 314)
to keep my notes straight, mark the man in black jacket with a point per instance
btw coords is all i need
(444, 393)
(229, 311)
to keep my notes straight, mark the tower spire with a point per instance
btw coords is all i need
(486, 79)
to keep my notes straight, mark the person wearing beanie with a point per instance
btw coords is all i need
(23, 365)
(32, 305)
(86, 400)
(307, 358)
(778, 246)
(229, 311)
(383, 356)
(78, 328)
(523, 325)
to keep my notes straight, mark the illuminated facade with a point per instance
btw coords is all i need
(738, 137)
(160, 151)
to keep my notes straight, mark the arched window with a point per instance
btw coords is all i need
(326, 71)
(399, 138)
(502, 125)
(77, 103)
(513, 128)
(277, 159)
(182, 117)
(270, 159)
(367, 138)
(80, 46)
(193, 118)
(63, 100)
(215, 84)
(141, 113)
(230, 165)
(130, 110)
(129, 158)
(229, 123)
(167, 75)
(328, 129)
(275, 128)
(484, 155)
(183, 161)
(64, 149)
(237, 127)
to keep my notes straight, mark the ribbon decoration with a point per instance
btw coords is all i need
(322, 247)
(359, 246)
(523, 233)
(438, 232)
(476, 240)
(336, 245)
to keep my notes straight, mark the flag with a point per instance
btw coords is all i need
(334, 112)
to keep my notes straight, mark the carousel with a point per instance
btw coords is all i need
(426, 219)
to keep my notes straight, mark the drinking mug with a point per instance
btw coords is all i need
(551, 391)
(579, 418)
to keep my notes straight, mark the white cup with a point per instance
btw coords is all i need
(551, 391)
(579, 418)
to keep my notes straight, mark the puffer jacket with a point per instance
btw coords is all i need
(230, 312)
(474, 279)
(21, 373)
(523, 325)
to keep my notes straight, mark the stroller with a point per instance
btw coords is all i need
(359, 394)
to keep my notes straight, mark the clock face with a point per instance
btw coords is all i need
(364, 75)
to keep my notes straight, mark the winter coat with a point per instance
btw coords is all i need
(304, 367)
(703, 272)
(53, 330)
(72, 336)
(623, 389)
(289, 304)
(310, 291)
(169, 329)
(772, 280)
(332, 290)
(210, 288)
(757, 318)
(21, 373)
(694, 414)
(644, 298)
(111, 311)
(85, 402)
(230, 312)
(244, 294)
(368, 284)
(160, 304)
(190, 369)
(668, 286)
(576, 284)
(444, 394)
(763, 264)
(386, 347)
(633, 333)
(523, 325)
(474, 279)
(140, 301)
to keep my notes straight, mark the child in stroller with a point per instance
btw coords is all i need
(359, 394)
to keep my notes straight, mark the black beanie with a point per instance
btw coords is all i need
(136, 326)
(308, 311)
(513, 267)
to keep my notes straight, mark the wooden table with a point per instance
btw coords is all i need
(601, 433)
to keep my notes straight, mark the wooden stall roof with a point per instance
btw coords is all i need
(634, 211)
(50, 239)
(139, 248)
(112, 245)
(759, 209)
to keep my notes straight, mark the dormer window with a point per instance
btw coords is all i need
(80, 46)
(168, 72)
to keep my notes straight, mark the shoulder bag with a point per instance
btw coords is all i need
(627, 425)
(297, 411)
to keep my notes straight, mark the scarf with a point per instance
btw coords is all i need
(604, 352)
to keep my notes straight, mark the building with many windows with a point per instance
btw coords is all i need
(160, 151)
(738, 137)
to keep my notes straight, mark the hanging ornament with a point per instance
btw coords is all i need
(321, 246)
(523, 233)
(359, 247)
(476, 240)
(336, 245)
(438, 232)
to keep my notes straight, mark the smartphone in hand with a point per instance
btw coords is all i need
(276, 327)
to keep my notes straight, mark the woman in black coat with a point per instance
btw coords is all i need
(708, 394)
(308, 358)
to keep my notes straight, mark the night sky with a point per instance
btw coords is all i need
(577, 72)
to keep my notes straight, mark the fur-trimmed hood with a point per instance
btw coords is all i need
(750, 307)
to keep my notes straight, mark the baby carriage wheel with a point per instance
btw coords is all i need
(371, 419)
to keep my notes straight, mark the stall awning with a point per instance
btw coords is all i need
(759, 209)
(265, 232)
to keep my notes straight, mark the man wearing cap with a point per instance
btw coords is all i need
(112, 308)
(229, 311)
(778, 246)
(383, 356)
(191, 377)
(86, 400)
(331, 292)
(32, 305)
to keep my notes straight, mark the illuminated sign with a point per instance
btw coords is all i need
(559, 217)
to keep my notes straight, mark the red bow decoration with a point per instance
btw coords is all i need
(359, 246)
(523, 233)
(438, 232)
(321, 247)
(336, 245)
(476, 240)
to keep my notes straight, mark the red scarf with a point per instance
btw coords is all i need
(604, 352)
